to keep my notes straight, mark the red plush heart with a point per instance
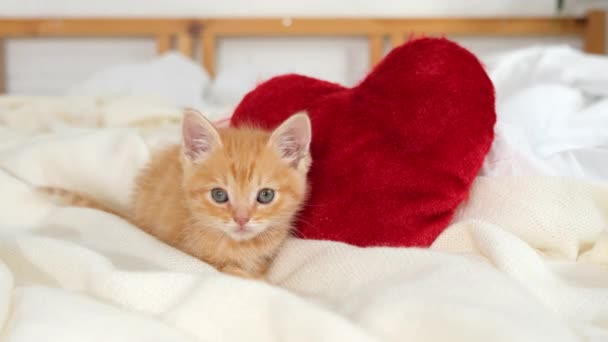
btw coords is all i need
(394, 156)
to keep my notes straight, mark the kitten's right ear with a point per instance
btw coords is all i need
(199, 136)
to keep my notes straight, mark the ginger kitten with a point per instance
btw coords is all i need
(226, 196)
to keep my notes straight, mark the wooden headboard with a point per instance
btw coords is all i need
(182, 34)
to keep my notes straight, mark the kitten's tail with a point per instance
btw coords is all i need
(70, 198)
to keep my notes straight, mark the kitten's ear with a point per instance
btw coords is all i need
(199, 136)
(292, 138)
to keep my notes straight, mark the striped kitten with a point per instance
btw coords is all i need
(227, 196)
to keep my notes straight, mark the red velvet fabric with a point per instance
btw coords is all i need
(394, 156)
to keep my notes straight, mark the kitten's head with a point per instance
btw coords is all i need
(245, 181)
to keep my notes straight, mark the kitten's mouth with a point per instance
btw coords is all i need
(240, 233)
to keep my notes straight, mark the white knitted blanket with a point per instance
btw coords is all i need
(525, 260)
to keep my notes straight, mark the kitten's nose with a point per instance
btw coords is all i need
(241, 220)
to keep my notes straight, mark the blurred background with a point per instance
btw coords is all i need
(53, 66)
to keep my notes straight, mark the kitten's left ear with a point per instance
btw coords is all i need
(292, 138)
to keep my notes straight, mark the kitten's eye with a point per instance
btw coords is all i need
(219, 195)
(265, 196)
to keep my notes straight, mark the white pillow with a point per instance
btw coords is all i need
(238, 76)
(172, 77)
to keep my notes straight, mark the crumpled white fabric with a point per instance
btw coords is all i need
(552, 108)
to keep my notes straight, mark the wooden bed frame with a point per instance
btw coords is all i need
(182, 34)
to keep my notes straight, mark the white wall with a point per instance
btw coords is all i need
(52, 66)
(383, 8)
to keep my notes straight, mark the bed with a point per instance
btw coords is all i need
(525, 258)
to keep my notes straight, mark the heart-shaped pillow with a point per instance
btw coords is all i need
(394, 156)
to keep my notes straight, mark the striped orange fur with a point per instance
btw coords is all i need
(64, 196)
(174, 201)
